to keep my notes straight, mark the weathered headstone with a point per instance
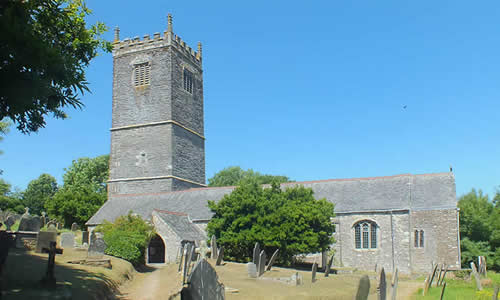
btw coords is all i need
(85, 237)
(50, 279)
(181, 260)
(52, 227)
(59, 226)
(363, 288)
(324, 260)
(314, 270)
(256, 253)
(203, 249)
(97, 248)
(262, 263)
(74, 227)
(297, 279)
(203, 283)
(44, 239)
(92, 237)
(433, 274)
(186, 263)
(29, 223)
(68, 240)
(495, 293)
(9, 222)
(213, 244)
(444, 275)
(382, 286)
(189, 258)
(252, 270)
(220, 255)
(476, 276)
(272, 260)
(394, 285)
(329, 266)
(442, 291)
(42, 220)
(439, 274)
(426, 285)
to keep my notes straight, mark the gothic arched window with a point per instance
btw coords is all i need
(365, 235)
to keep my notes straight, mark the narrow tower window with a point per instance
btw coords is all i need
(188, 81)
(419, 238)
(142, 74)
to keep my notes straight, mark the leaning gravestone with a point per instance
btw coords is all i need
(9, 222)
(213, 243)
(394, 285)
(262, 263)
(67, 240)
(220, 255)
(382, 286)
(476, 276)
(252, 270)
(363, 288)
(43, 240)
(314, 270)
(181, 258)
(85, 237)
(74, 227)
(256, 253)
(203, 283)
(30, 223)
(271, 261)
(96, 248)
(329, 266)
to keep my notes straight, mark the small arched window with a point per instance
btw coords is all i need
(365, 235)
(419, 238)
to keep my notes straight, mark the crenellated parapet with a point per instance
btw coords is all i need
(168, 38)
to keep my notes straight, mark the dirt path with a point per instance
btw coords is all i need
(158, 283)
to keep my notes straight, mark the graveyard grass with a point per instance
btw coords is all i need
(24, 269)
(463, 289)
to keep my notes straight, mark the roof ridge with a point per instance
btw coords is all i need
(171, 212)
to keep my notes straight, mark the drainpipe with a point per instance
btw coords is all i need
(458, 239)
(392, 238)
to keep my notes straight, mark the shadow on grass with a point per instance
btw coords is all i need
(24, 270)
(144, 269)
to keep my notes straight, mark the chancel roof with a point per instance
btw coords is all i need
(181, 225)
(399, 192)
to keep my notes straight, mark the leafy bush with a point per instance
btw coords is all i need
(291, 220)
(127, 237)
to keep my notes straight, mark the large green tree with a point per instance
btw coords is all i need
(291, 220)
(38, 192)
(83, 191)
(233, 175)
(9, 199)
(45, 46)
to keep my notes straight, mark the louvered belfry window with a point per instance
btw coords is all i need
(188, 81)
(142, 74)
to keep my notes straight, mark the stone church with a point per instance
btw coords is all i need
(157, 170)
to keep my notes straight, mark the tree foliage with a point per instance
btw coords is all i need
(291, 220)
(127, 237)
(38, 192)
(83, 191)
(10, 200)
(479, 229)
(45, 47)
(233, 175)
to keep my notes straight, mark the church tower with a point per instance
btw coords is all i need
(157, 139)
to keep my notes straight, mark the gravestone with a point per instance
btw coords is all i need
(213, 243)
(181, 259)
(74, 227)
(256, 253)
(59, 226)
(262, 263)
(314, 270)
(190, 257)
(382, 286)
(329, 266)
(50, 279)
(442, 291)
(96, 248)
(9, 222)
(394, 285)
(203, 283)
(92, 237)
(42, 220)
(444, 275)
(363, 288)
(271, 261)
(85, 237)
(29, 223)
(476, 276)
(296, 279)
(52, 227)
(433, 274)
(26, 211)
(68, 240)
(220, 255)
(495, 293)
(44, 239)
(203, 249)
(252, 270)
(186, 263)
(439, 274)
(51, 223)
(324, 258)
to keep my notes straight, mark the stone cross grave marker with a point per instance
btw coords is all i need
(44, 239)
(213, 243)
(203, 283)
(363, 288)
(476, 276)
(67, 240)
(314, 270)
(97, 248)
(220, 255)
(382, 286)
(181, 259)
(442, 291)
(252, 270)
(74, 227)
(262, 262)
(50, 279)
(394, 285)
(329, 266)
(256, 253)
(272, 260)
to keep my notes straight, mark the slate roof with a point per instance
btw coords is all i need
(406, 191)
(181, 225)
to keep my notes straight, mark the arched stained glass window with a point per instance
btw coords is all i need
(365, 235)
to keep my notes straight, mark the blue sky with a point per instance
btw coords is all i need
(312, 90)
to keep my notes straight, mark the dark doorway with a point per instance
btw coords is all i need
(156, 250)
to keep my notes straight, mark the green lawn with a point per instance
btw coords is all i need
(458, 289)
